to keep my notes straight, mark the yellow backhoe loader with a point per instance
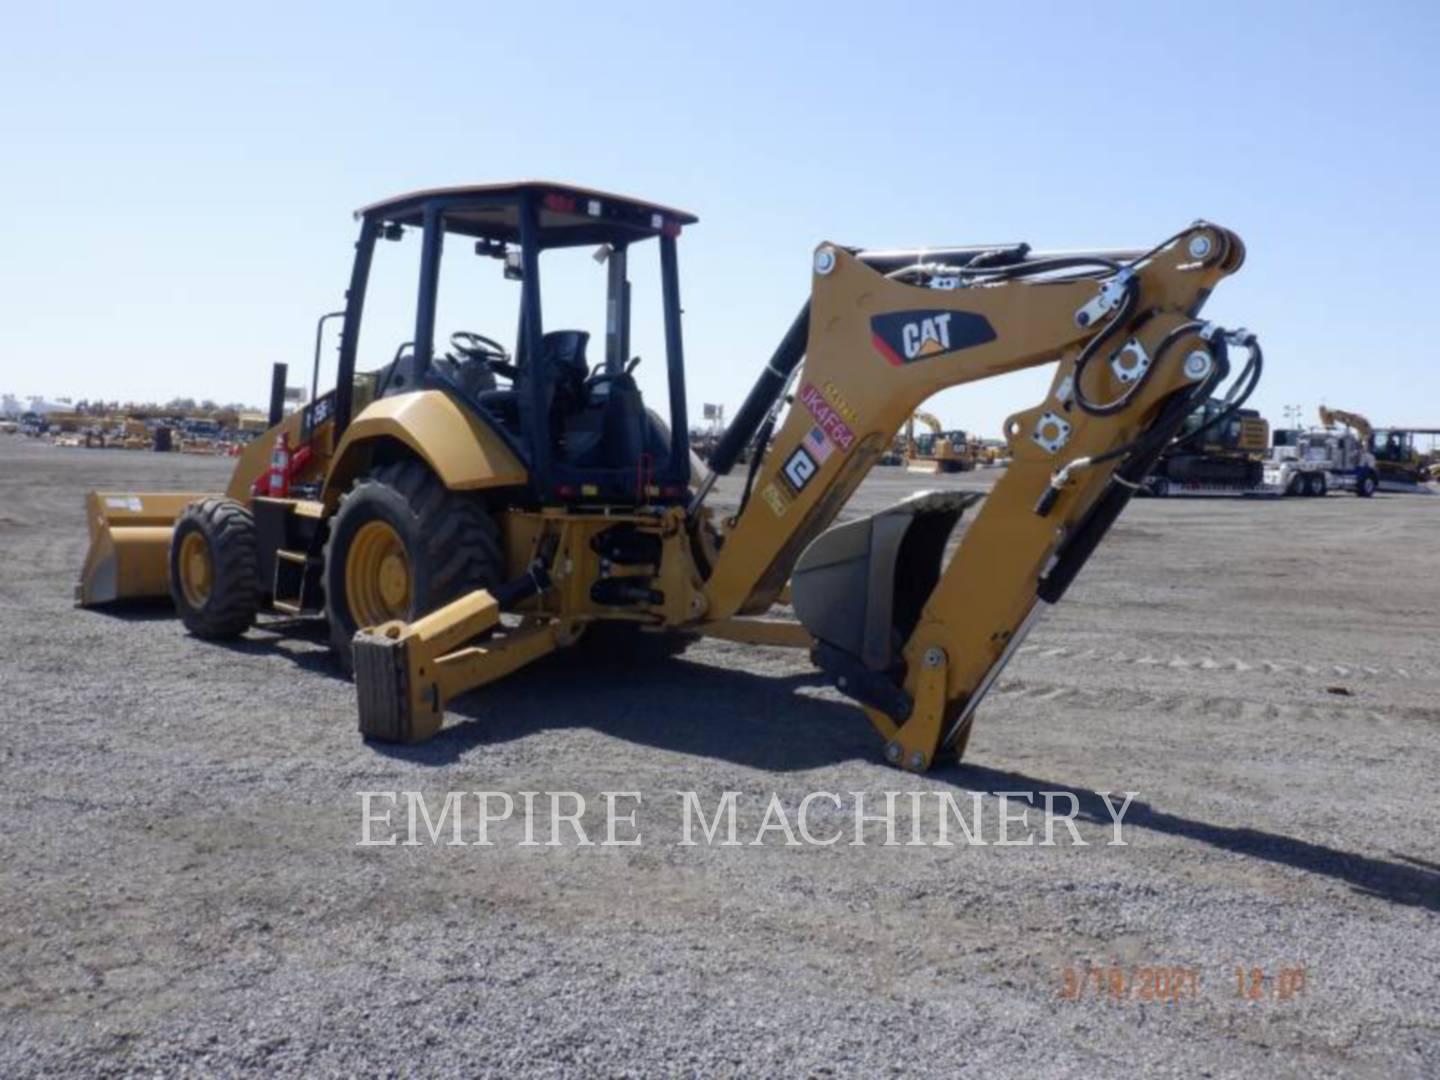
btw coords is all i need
(940, 451)
(457, 514)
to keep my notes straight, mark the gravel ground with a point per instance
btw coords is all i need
(182, 888)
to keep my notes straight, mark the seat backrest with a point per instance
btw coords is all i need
(561, 369)
(563, 353)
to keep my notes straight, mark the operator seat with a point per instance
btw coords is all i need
(561, 366)
(561, 369)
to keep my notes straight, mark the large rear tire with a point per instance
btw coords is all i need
(215, 568)
(402, 545)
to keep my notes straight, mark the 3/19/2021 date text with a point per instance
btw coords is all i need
(1175, 983)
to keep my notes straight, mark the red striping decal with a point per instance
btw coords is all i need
(891, 356)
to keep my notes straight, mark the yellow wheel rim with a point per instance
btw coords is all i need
(377, 575)
(197, 571)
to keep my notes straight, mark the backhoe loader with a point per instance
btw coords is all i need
(458, 514)
(940, 451)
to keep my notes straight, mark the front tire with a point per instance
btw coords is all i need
(402, 545)
(215, 568)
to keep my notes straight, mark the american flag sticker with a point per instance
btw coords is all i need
(818, 445)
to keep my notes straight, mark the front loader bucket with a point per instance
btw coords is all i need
(129, 556)
(859, 588)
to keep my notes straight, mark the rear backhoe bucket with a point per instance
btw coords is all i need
(129, 556)
(859, 589)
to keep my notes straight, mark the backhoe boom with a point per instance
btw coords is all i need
(1132, 360)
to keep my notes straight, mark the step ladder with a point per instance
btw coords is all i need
(296, 588)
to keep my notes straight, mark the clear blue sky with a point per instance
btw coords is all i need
(179, 178)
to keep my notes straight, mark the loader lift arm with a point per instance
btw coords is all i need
(917, 642)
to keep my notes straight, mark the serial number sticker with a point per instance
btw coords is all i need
(827, 416)
(115, 503)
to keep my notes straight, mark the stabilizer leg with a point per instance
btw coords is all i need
(405, 674)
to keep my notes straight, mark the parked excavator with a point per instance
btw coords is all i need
(939, 451)
(1209, 458)
(459, 513)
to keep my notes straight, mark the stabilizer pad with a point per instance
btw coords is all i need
(382, 688)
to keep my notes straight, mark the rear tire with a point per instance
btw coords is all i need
(1160, 487)
(215, 568)
(444, 543)
(1366, 485)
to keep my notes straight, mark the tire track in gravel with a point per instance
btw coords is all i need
(1212, 706)
(1227, 665)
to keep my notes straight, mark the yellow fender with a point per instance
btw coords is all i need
(463, 451)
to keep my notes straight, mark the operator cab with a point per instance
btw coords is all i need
(1393, 445)
(565, 400)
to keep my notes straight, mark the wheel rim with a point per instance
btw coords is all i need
(197, 571)
(377, 575)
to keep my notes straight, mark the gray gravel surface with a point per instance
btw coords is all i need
(181, 888)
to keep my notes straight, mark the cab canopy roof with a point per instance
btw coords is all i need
(568, 215)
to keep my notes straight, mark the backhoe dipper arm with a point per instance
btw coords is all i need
(916, 647)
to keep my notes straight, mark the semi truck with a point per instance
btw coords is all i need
(1316, 462)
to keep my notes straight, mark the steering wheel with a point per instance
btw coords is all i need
(487, 351)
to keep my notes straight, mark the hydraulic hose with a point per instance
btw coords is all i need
(1141, 453)
(1235, 398)
(1082, 542)
(1092, 348)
